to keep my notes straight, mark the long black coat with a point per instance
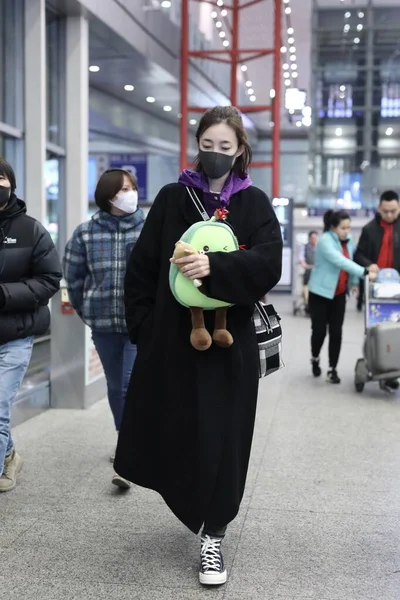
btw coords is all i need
(189, 415)
(369, 245)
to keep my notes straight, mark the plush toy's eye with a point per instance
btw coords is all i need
(201, 252)
(206, 248)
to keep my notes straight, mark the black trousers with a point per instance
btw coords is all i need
(327, 315)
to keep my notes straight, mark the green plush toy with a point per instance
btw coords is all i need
(200, 238)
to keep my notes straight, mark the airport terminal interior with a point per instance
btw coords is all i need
(92, 85)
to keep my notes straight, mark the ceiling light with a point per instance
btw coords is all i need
(283, 49)
(346, 28)
(214, 14)
(347, 15)
(250, 91)
(356, 40)
(290, 31)
(220, 3)
(287, 82)
(295, 74)
(129, 88)
(166, 4)
(286, 74)
(291, 111)
(292, 50)
(293, 58)
(307, 111)
(222, 34)
(252, 98)
(179, 115)
(342, 88)
(290, 40)
(94, 68)
(249, 83)
(338, 131)
(286, 1)
(285, 66)
(272, 93)
(150, 99)
(360, 15)
(218, 24)
(244, 68)
(389, 131)
(298, 123)
(167, 108)
(224, 13)
(193, 121)
(225, 43)
(293, 67)
(360, 27)
(288, 10)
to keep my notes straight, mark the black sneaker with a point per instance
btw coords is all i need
(332, 376)
(393, 384)
(316, 369)
(212, 569)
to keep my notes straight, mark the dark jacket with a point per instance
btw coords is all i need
(189, 415)
(369, 245)
(30, 273)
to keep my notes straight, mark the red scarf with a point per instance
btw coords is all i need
(343, 276)
(385, 258)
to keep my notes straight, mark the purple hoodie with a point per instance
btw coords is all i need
(212, 201)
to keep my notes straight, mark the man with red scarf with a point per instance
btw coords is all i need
(380, 241)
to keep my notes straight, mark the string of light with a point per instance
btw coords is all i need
(219, 15)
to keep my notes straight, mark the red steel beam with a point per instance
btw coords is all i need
(276, 109)
(248, 108)
(261, 164)
(238, 52)
(234, 52)
(184, 82)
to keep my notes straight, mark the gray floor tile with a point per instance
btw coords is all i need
(318, 556)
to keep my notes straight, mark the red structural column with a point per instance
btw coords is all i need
(276, 109)
(234, 52)
(184, 83)
(233, 57)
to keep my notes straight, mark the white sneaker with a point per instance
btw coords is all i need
(120, 482)
(12, 467)
(212, 569)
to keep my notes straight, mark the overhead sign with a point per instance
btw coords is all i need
(134, 164)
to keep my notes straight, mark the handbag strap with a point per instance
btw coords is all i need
(196, 201)
(264, 316)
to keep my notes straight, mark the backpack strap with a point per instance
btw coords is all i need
(196, 201)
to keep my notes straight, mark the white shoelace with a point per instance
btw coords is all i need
(210, 554)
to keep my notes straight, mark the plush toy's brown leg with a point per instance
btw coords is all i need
(221, 336)
(199, 338)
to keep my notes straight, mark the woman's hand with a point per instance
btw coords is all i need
(355, 290)
(195, 266)
(372, 275)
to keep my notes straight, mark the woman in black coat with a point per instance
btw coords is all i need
(189, 415)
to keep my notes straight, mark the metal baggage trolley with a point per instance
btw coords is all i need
(379, 308)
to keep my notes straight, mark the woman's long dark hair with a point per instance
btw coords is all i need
(332, 218)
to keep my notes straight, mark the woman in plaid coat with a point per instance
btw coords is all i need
(94, 268)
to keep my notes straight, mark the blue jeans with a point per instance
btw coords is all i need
(14, 361)
(117, 356)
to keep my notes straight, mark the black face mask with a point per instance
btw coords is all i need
(215, 164)
(5, 193)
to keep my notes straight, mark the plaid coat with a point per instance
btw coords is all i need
(94, 268)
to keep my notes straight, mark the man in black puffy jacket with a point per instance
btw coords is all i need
(30, 275)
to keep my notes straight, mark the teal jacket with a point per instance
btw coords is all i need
(329, 261)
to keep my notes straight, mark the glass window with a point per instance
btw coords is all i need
(52, 185)
(55, 74)
(11, 62)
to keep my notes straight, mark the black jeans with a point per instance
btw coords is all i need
(327, 314)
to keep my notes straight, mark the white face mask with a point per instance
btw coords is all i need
(127, 201)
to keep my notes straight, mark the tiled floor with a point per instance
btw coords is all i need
(320, 518)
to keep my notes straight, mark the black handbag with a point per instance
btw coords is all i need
(266, 321)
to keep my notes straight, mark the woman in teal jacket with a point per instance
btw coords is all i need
(333, 275)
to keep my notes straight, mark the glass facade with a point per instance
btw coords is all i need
(356, 105)
(11, 62)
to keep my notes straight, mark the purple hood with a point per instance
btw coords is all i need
(233, 185)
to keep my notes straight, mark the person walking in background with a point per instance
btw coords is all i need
(306, 260)
(189, 417)
(379, 243)
(94, 269)
(334, 273)
(30, 274)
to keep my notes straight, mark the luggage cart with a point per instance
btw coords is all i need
(377, 309)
